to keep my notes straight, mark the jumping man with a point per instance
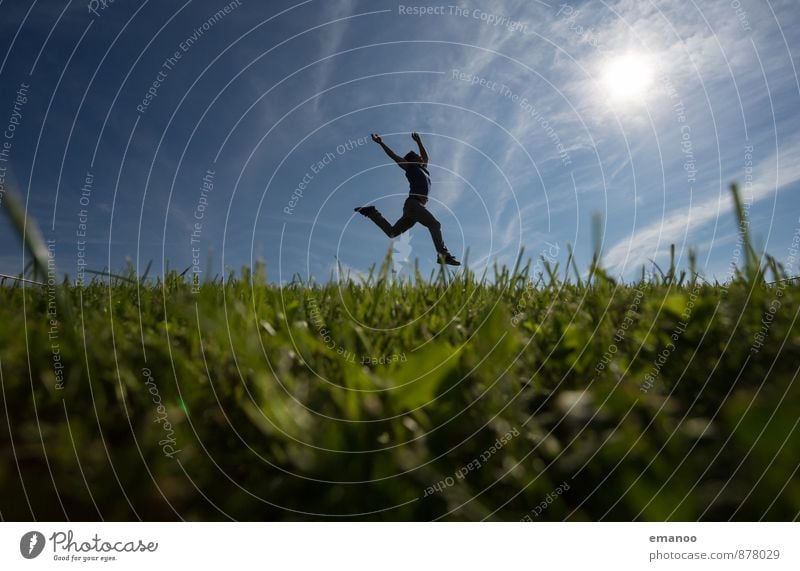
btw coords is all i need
(416, 169)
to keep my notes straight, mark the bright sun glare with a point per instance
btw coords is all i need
(628, 77)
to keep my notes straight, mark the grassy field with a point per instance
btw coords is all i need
(507, 398)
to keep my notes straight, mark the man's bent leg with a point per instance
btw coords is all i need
(391, 230)
(403, 223)
(417, 211)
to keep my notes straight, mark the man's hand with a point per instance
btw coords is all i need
(415, 136)
(377, 138)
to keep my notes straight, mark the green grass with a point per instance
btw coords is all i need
(274, 421)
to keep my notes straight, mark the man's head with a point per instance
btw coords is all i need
(412, 157)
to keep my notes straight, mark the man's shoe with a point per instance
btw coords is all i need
(365, 210)
(447, 259)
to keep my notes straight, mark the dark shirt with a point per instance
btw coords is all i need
(419, 180)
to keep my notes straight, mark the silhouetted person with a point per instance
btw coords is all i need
(416, 169)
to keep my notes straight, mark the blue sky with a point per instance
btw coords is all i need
(537, 117)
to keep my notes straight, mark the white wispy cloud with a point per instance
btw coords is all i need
(769, 177)
(331, 43)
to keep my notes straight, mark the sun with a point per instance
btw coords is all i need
(628, 77)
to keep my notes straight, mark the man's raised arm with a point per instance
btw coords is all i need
(394, 156)
(423, 153)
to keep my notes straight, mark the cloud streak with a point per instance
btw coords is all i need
(770, 176)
